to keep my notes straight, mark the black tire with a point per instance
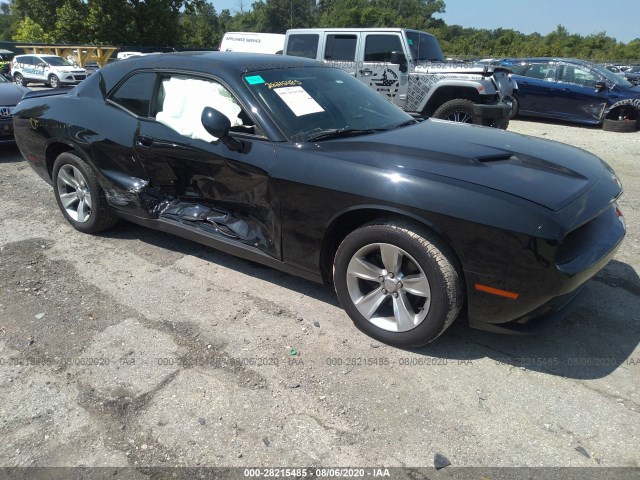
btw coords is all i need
(19, 79)
(54, 81)
(623, 126)
(433, 260)
(101, 216)
(458, 110)
(515, 106)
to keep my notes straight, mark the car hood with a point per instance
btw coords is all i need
(10, 93)
(548, 173)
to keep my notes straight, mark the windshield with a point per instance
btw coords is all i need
(612, 77)
(308, 102)
(633, 70)
(424, 47)
(56, 61)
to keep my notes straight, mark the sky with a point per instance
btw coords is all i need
(619, 18)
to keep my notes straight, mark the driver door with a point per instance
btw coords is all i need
(200, 181)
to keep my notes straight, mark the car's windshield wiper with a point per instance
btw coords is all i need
(343, 132)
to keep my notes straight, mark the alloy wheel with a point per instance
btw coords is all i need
(388, 287)
(74, 193)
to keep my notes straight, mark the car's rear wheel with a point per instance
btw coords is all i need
(19, 79)
(79, 195)
(458, 110)
(623, 126)
(398, 283)
(54, 81)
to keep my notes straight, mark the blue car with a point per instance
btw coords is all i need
(574, 91)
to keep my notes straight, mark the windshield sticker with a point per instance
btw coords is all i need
(410, 41)
(284, 83)
(254, 79)
(299, 101)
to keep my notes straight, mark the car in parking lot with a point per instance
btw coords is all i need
(10, 94)
(304, 168)
(49, 69)
(573, 90)
(632, 75)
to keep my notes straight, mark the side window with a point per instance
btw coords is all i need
(540, 71)
(303, 45)
(378, 48)
(135, 93)
(341, 47)
(578, 76)
(181, 99)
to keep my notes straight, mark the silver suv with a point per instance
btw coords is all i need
(49, 69)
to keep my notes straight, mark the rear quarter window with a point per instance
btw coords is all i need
(135, 93)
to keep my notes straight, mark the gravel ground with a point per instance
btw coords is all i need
(138, 349)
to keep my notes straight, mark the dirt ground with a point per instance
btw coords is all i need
(138, 349)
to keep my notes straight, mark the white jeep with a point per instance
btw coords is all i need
(408, 67)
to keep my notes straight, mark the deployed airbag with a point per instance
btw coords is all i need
(184, 100)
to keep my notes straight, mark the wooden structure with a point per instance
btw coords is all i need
(81, 54)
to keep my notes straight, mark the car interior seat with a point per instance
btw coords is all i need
(569, 75)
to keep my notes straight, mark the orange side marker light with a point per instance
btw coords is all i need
(496, 291)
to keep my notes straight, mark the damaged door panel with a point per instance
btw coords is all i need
(210, 186)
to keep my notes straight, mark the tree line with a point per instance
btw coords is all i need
(197, 24)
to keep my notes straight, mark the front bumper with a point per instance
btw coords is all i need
(539, 291)
(493, 111)
(6, 131)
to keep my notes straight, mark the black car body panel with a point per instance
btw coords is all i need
(522, 215)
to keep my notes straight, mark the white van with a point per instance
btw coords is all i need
(252, 42)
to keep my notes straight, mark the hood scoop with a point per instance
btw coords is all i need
(494, 158)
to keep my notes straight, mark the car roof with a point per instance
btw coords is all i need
(229, 65)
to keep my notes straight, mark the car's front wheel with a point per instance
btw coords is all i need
(79, 195)
(458, 110)
(54, 81)
(398, 283)
(19, 79)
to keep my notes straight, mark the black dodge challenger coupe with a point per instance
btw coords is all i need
(303, 168)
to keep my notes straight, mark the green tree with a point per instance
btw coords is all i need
(8, 21)
(41, 12)
(29, 31)
(199, 26)
(111, 22)
(71, 24)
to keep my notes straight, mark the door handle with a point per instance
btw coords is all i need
(144, 141)
(366, 72)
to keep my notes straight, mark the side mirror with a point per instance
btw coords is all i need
(600, 86)
(398, 58)
(217, 125)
